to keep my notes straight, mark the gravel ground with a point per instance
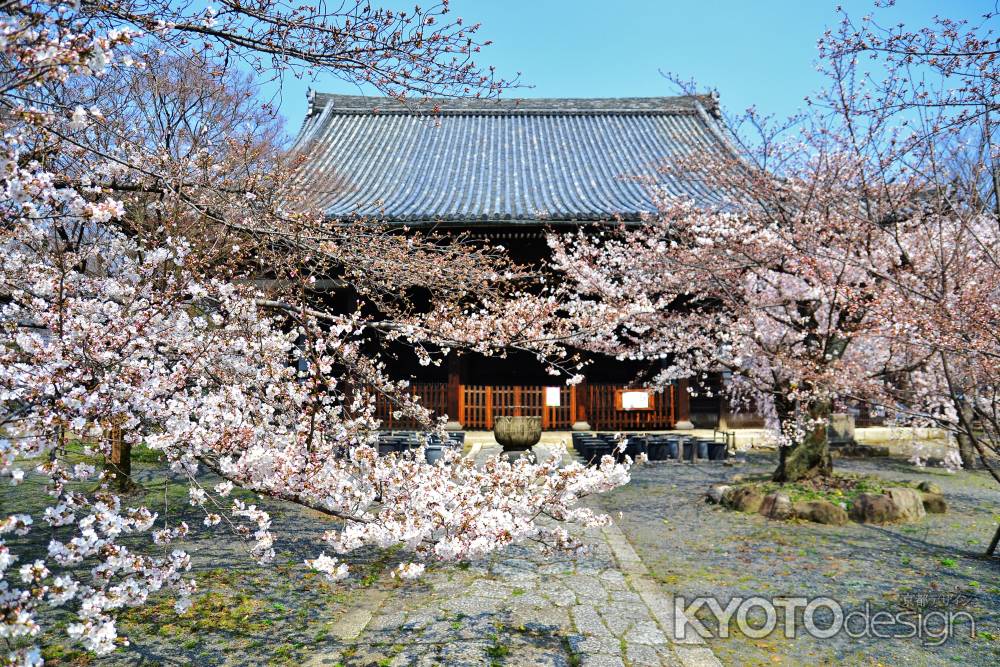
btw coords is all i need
(695, 548)
(286, 615)
(517, 608)
(243, 613)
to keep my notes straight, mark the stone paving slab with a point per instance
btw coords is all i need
(521, 608)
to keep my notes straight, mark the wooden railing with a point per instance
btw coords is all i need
(603, 414)
(479, 405)
(433, 395)
(476, 407)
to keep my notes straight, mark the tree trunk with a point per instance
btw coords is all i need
(967, 451)
(119, 462)
(993, 545)
(966, 445)
(810, 457)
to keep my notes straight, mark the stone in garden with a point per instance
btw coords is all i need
(776, 506)
(875, 508)
(737, 478)
(929, 487)
(717, 491)
(934, 503)
(820, 511)
(744, 499)
(909, 501)
(840, 430)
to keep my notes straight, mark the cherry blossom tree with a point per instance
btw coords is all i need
(939, 86)
(174, 335)
(852, 257)
(770, 287)
(176, 111)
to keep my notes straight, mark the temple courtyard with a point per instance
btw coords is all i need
(615, 605)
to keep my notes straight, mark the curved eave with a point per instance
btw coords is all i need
(482, 222)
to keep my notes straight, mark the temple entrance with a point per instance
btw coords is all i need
(557, 406)
(473, 390)
(605, 407)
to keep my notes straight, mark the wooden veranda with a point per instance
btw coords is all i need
(476, 406)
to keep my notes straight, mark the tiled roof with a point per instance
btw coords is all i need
(515, 161)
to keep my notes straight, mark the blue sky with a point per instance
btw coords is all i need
(758, 53)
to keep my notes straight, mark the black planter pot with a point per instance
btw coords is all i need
(601, 450)
(589, 449)
(636, 445)
(717, 451)
(673, 449)
(658, 450)
(690, 450)
(703, 449)
(434, 453)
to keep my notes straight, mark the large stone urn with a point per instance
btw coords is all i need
(516, 434)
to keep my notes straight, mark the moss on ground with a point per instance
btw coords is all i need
(840, 488)
(280, 613)
(245, 612)
(57, 654)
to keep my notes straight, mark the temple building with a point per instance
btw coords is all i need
(508, 171)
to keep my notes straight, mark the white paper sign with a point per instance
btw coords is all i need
(552, 398)
(635, 400)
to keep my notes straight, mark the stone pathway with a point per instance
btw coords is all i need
(520, 608)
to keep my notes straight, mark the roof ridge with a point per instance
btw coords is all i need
(358, 104)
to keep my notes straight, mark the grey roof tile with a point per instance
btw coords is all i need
(518, 161)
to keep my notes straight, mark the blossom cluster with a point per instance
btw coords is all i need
(127, 316)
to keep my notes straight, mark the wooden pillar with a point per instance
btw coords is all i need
(489, 408)
(683, 403)
(580, 399)
(454, 393)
